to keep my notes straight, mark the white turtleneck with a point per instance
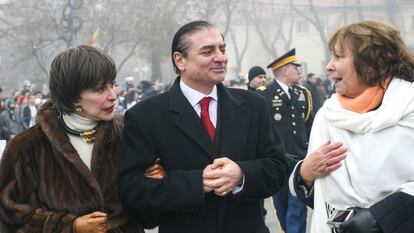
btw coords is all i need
(79, 123)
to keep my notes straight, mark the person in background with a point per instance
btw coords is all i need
(2, 100)
(60, 174)
(218, 146)
(257, 78)
(28, 112)
(329, 87)
(291, 110)
(131, 98)
(11, 124)
(312, 83)
(147, 90)
(39, 100)
(372, 116)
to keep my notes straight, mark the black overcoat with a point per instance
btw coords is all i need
(168, 126)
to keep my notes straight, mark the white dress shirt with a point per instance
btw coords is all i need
(284, 87)
(194, 97)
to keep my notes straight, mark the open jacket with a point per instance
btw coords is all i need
(44, 184)
(167, 126)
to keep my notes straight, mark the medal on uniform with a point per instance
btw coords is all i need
(301, 97)
(277, 102)
(277, 116)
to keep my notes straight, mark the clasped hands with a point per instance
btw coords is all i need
(222, 176)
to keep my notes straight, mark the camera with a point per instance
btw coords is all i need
(338, 217)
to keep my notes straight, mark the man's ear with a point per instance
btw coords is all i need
(285, 69)
(179, 61)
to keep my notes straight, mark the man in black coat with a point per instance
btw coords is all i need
(220, 158)
(291, 110)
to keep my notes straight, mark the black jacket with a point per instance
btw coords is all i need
(167, 126)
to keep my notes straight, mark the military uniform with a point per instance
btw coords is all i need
(293, 119)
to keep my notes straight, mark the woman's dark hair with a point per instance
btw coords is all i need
(75, 70)
(181, 44)
(378, 51)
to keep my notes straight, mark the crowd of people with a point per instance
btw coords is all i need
(200, 156)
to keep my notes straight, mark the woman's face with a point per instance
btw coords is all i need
(343, 72)
(98, 103)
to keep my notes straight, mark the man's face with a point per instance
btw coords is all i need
(312, 79)
(206, 60)
(258, 81)
(292, 73)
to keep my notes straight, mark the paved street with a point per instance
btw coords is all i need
(271, 219)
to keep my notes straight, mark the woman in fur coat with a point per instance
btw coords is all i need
(60, 175)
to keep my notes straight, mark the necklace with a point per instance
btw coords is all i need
(88, 135)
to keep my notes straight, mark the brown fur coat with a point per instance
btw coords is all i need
(44, 184)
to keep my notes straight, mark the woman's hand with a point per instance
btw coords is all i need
(96, 222)
(322, 161)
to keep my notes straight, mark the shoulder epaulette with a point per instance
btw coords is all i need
(261, 88)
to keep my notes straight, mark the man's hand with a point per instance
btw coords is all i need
(96, 222)
(322, 161)
(207, 183)
(156, 171)
(223, 176)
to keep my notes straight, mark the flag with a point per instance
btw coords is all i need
(91, 40)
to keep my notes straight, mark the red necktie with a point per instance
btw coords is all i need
(205, 117)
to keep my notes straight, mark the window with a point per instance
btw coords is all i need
(302, 26)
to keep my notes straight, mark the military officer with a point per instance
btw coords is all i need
(291, 109)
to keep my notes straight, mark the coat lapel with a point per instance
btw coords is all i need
(49, 123)
(189, 122)
(234, 122)
(283, 95)
(294, 98)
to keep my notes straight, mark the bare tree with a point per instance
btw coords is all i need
(312, 16)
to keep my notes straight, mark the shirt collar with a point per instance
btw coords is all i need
(283, 86)
(194, 96)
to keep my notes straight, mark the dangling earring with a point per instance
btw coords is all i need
(78, 108)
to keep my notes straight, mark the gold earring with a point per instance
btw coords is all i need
(78, 108)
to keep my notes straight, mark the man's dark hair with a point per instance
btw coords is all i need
(180, 43)
(75, 70)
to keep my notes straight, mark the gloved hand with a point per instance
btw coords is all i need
(96, 222)
(156, 171)
(361, 221)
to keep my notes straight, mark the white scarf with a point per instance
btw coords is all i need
(380, 153)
